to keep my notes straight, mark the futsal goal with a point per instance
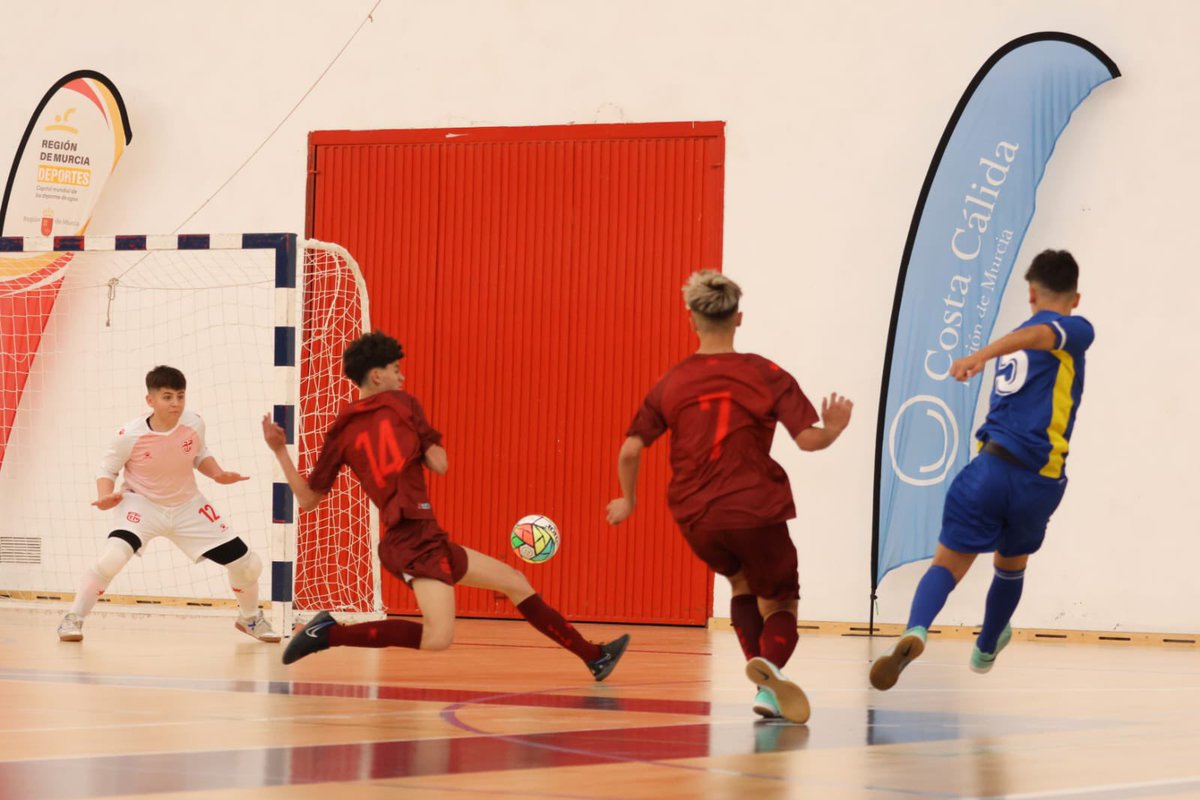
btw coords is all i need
(257, 323)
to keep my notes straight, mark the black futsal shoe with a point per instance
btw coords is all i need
(610, 654)
(312, 638)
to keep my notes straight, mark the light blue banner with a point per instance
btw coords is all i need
(972, 215)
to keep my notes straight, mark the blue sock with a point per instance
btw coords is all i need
(932, 591)
(1002, 601)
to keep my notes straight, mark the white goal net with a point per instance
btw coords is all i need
(255, 328)
(337, 560)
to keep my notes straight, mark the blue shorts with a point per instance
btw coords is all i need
(996, 506)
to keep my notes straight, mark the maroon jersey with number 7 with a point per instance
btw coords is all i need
(382, 438)
(721, 409)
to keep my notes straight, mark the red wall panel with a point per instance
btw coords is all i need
(533, 276)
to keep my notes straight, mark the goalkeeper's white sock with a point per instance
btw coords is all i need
(95, 580)
(243, 579)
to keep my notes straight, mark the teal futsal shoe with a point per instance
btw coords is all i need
(765, 704)
(887, 668)
(790, 698)
(982, 662)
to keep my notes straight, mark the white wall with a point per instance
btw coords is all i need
(833, 111)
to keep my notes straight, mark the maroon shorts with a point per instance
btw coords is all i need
(419, 548)
(765, 556)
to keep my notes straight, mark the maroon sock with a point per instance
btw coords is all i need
(552, 624)
(747, 623)
(779, 637)
(384, 633)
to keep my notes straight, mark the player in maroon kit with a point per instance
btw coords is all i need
(386, 441)
(730, 499)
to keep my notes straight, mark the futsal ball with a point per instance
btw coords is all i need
(535, 538)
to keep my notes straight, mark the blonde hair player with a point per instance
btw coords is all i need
(730, 499)
(159, 455)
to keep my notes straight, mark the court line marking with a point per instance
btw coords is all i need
(556, 647)
(915, 792)
(1008, 665)
(450, 715)
(1023, 690)
(353, 743)
(1192, 781)
(265, 686)
(386, 784)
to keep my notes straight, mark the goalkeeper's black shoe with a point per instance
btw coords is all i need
(312, 638)
(610, 654)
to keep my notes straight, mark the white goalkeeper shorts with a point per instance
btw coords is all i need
(194, 527)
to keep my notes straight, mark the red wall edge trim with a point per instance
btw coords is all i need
(537, 133)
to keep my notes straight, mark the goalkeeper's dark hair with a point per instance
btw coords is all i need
(164, 377)
(371, 350)
(1055, 271)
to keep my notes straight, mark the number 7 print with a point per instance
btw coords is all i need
(724, 401)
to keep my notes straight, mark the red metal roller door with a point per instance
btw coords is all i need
(533, 275)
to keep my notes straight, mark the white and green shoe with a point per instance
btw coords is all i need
(789, 698)
(982, 662)
(887, 668)
(765, 704)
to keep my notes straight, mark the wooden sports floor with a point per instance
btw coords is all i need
(157, 707)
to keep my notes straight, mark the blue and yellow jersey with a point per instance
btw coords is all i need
(1037, 393)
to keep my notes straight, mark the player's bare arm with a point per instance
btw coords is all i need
(276, 440)
(835, 416)
(436, 459)
(106, 495)
(1035, 337)
(629, 461)
(211, 469)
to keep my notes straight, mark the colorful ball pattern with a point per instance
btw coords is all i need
(535, 538)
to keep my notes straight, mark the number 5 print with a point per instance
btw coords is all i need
(1010, 381)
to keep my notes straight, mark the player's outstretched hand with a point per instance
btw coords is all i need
(108, 501)
(226, 477)
(835, 412)
(967, 367)
(273, 435)
(619, 511)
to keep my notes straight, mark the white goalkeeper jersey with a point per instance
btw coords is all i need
(158, 465)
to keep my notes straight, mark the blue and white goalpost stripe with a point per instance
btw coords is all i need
(287, 389)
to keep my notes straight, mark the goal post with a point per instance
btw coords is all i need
(257, 323)
(337, 554)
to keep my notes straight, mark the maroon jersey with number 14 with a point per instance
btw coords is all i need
(721, 409)
(382, 438)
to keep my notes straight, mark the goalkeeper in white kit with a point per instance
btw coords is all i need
(159, 497)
